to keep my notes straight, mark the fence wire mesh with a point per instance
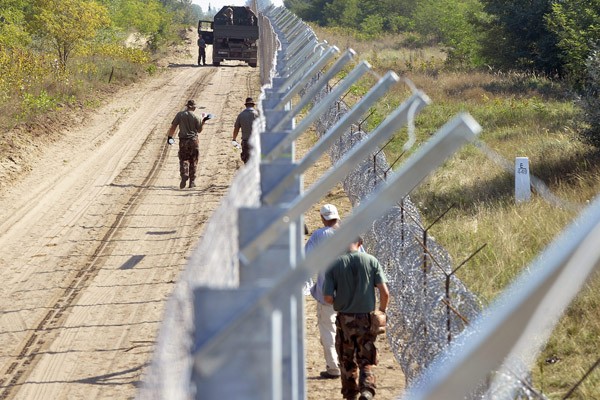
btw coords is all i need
(429, 305)
(268, 44)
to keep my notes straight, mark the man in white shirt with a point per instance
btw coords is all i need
(325, 312)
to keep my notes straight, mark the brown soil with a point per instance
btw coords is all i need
(94, 232)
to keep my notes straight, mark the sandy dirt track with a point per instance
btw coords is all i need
(94, 236)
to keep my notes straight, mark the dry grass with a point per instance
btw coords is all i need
(521, 115)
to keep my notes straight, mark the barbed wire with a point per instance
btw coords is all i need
(429, 304)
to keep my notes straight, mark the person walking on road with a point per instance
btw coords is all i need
(189, 128)
(201, 51)
(244, 121)
(350, 286)
(325, 312)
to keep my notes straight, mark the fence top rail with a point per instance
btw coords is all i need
(337, 130)
(444, 143)
(520, 316)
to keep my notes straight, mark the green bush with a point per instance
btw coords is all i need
(450, 22)
(576, 25)
(372, 26)
(590, 100)
(39, 103)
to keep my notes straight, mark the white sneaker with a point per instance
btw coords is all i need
(307, 286)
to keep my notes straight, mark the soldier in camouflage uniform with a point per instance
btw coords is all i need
(189, 128)
(350, 286)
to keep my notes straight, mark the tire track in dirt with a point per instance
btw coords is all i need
(104, 300)
(38, 338)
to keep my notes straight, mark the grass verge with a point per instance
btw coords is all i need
(521, 115)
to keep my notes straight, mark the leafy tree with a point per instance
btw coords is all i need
(372, 25)
(390, 11)
(370, 17)
(144, 15)
(181, 11)
(590, 99)
(309, 10)
(68, 23)
(397, 15)
(516, 35)
(343, 13)
(576, 24)
(451, 23)
(12, 23)
(199, 13)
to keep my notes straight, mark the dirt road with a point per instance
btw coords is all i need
(95, 234)
(93, 238)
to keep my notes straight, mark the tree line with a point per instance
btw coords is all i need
(62, 25)
(54, 52)
(557, 38)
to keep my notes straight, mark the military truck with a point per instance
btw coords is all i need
(233, 35)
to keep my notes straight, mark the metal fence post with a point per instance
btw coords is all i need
(282, 256)
(333, 175)
(311, 93)
(314, 70)
(217, 375)
(360, 69)
(337, 130)
(448, 140)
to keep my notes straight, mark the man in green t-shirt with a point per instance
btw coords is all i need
(350, 286)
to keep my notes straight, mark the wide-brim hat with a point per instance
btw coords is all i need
(190, 103)
(249, 101)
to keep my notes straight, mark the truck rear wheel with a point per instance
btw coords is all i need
(216, 63)
(252, 64)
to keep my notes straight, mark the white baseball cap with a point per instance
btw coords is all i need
(329, 212)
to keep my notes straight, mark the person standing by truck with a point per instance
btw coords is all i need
(201, 51)
(232, 42)
(244, 121)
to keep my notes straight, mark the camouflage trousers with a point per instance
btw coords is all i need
(357, 353)
(188, 157)
(245, 151)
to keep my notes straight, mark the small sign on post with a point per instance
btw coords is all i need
(522, 180)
